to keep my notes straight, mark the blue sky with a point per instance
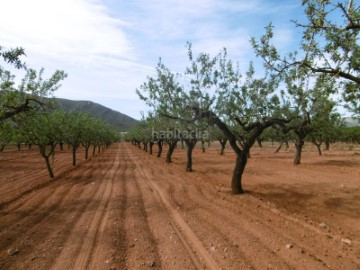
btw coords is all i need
(109, 47)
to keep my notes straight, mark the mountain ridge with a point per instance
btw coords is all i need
(117, 119)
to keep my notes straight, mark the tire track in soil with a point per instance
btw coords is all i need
(40, 195)
(107, 229)
(20, 187)
(197, 252)
(118, 206)
(75, 209)
(262, 224)
(49, 215)
(141, 246)
(79, 244)
(259, 232)
(255, 230)
(41, 211)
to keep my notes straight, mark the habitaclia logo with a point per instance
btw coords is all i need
(179, 134)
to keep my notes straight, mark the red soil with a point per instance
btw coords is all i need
(125, 209)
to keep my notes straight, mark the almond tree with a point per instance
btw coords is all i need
(167, 97)
(311, 101)
(29, 95)
(44, 130)
(217, 135)
(329, 46)
(215, 92)
(74, 134)
(6, 134)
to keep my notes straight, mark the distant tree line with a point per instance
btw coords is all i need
(27, 114)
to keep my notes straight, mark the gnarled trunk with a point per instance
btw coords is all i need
(298, 149)
(281, 144)
(223, 144)
(170, 151)
(160, 147)
(74, 148)
(151, 144)
(241, 160)
(48, 166)
(259, 142)
(145, 146)
(203, 146)
(327, 145)
(190, 146)
(46, 156)
(318, 145)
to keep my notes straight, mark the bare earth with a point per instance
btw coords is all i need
(125, 209)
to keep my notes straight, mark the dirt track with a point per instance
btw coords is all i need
(126, 209)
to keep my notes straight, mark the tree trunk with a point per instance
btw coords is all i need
(19, 146)
(94, 149)
(74, 148)
(223, 144)
(278, 149)
(170, 151)
(241, 160)
(318, 145)
(327, 145)
(298, 149)
(46, 157)
(281, 144)
(160, 147)
(48, 166)
(259, 142)
(145, 146)
(203, 146)
(190, 146)
(151, 144)
(319, 149)
(2, 147)
(87, 146)
(182, 144)
(61, 146)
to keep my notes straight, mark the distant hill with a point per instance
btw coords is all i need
(351, 121)
(120, 121)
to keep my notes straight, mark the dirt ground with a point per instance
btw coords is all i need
(125, 209)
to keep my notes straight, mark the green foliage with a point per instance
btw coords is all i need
(329, 46)
(6, 134)
(29, 95)
(213, 92)
(349, 134)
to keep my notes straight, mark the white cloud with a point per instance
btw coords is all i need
(108, 47)
(68, 29)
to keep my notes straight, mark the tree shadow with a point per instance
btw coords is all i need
(333, 162)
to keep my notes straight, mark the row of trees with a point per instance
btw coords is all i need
(295, 93)
(145, 135)
(50, 129)
(27, 114)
